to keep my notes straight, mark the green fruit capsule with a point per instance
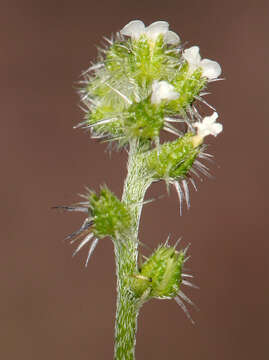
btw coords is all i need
(160, 276)
(173, 160)
(110, 216)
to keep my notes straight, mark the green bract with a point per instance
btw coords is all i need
(160, 276)
(172, 160)
(110, 216)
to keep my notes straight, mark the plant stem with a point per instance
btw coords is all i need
(126, 251)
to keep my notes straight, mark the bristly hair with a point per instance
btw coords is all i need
(199, 170)
(181, 296)
(84, 234)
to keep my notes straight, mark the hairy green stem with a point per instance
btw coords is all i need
(126, 251)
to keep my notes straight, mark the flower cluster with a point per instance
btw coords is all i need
(144, 82)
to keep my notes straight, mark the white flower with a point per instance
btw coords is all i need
(210, 69)
(208, 126)
(137, 28)
(162, 90)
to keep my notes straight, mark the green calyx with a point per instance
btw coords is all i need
(144, 120)
(142, 61)
(160, 276)
(141, 120)
(187, 86)
(172, 160)
(110, 216)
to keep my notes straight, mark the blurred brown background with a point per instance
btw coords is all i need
(51, 306)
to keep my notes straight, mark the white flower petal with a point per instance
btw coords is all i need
(134, 28)
(155, 85)
(208, 120)
(192, 56)
(162, 90)
(170, 37)
(211, 69)
(156, 28)
(208, 126)
(216, 129)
